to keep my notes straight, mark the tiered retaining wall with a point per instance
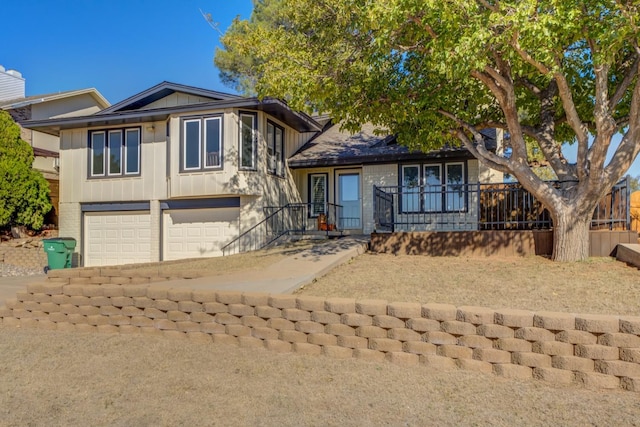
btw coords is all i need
(32, 257)
(594, 350)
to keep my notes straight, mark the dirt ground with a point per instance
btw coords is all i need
(74, 379)
(596, 286)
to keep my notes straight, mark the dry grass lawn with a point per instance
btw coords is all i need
(50, 378)
(73, 379)
(597, 286)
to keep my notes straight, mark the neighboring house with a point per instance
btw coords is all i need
(38, 107)
(179, 172)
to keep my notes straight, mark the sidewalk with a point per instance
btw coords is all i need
(286, 275)
(283, 277)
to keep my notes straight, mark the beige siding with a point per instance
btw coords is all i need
(75, 186)
(80, 105)
(176, 99)
(380, 175)
(70, 223)
(230, 180)
(298, 140)
(45, 141)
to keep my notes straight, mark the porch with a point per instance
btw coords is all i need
(294, 219)
(486, 220)
(482, 207)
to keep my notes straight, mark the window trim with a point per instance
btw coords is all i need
(126, 152)
(272, 145)
(443, 170)
(446, 185)
(417, 193)
(107, 149)
(325, 175)
(254, 141)
(202, 141)
(442, 186)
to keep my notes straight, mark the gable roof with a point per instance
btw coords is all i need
(335, 147)
(161, 90)
(10, 104)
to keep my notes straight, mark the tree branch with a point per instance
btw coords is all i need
(630, 145)
(624, 84)
(528, 58)
(491, 7)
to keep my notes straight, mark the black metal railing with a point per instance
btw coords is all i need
(499, 206)
(293, 218)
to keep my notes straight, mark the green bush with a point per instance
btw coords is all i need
(24, 193)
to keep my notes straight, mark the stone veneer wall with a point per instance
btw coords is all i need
(598, 351)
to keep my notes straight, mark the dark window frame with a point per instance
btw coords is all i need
(202, 143)
(272, 152)
(108, 147)
(325, 175)
(254, 141)
(442, 164)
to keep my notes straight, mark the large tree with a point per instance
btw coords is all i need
(437, 72)
(24, 193)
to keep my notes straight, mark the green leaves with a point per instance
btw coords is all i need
(402, 63)
(24, 193)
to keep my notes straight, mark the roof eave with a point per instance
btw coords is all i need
(377, 159)
(298, 121)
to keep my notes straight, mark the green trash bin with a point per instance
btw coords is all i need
(59, 252)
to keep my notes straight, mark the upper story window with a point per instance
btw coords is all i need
(201, 143)
(275, 149)
(248, 142)
(114, 152)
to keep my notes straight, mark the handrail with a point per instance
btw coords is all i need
(285, 220)
(482, 206)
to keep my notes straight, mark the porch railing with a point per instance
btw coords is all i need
(293, 218)
(500, 206)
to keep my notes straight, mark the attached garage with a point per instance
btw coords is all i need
(193, 233)
(194, 229)
(115, 238)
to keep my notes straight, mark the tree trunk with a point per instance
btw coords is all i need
(570, 236)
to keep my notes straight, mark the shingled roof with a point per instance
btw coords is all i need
(336, 147)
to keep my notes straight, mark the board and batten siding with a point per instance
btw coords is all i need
(79, 188)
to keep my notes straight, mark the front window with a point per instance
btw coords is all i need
(115, 152)
(433, 188)
(275, 152)
(318, 193)
(410, 188)
(248, 141)
(443, 188)
(202, 143)
(456, 197)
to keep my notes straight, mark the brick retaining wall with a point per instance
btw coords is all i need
(596, 351)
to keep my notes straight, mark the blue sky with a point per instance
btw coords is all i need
(120, 47)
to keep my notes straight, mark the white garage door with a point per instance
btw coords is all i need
(193, 233)
(114, 238)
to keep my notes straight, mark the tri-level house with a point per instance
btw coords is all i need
(180, 172)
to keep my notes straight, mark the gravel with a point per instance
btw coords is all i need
(9, 270)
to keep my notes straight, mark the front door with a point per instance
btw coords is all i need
(350, 198)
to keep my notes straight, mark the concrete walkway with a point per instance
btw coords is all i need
(286, 275)
(283, 277)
